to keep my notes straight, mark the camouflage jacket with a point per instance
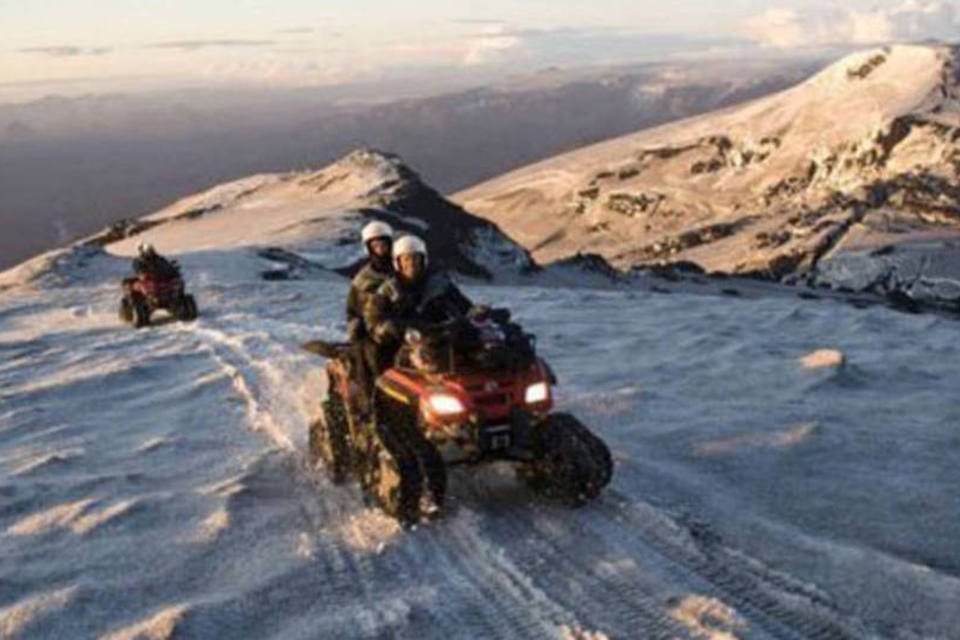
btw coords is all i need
(363, 285)
(395, 307)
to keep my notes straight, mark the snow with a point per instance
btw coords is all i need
(155, 483)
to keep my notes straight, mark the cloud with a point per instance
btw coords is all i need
(495, 43)
(192, 45)
(840, 25)
(296, 30)
(67, 51)
(584, 45)
(480, 21)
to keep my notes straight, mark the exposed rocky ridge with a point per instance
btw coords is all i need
(869, 148)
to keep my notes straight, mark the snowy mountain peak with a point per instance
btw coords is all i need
(385, 173)
(312, 219)
(863, 153)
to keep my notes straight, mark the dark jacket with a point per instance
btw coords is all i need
(395, 307)
(363, 285)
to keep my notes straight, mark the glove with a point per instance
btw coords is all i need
(387, 331)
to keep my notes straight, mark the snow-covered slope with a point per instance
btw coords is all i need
(865, 153)
(155, 483)
(162, 473)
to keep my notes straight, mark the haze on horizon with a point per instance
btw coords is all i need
(64, 48)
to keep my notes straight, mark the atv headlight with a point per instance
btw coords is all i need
(444, 404)
(536, 393)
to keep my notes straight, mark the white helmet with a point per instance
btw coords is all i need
(374, 230)
(409, 244)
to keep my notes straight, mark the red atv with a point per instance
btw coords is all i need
(468, 392)
(148, 291)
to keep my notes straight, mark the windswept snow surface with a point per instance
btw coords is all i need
(154, 483)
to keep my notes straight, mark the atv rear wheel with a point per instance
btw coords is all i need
(329, 439)
(575, 464)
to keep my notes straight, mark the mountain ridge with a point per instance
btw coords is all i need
(861, 154)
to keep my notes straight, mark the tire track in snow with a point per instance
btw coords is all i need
(565, 560)
(481, 595)
(782, 607)
(242, 370)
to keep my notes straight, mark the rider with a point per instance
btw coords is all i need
(377, 240)
(149, 262)
(413, 296)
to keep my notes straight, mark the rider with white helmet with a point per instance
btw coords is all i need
(415, 295)
(376, 230)
(377, 238)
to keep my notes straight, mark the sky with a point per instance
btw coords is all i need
(115, 45)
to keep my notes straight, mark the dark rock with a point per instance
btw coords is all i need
(121, 230)
(864, 70)
(591, 262)
(903, 302)
(193, 214)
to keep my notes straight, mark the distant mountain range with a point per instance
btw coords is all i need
(70, 166)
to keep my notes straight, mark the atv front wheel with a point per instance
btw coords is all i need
(126, 310)
(329, 439)
(186, 309)
(140, 311)
(575, 465)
